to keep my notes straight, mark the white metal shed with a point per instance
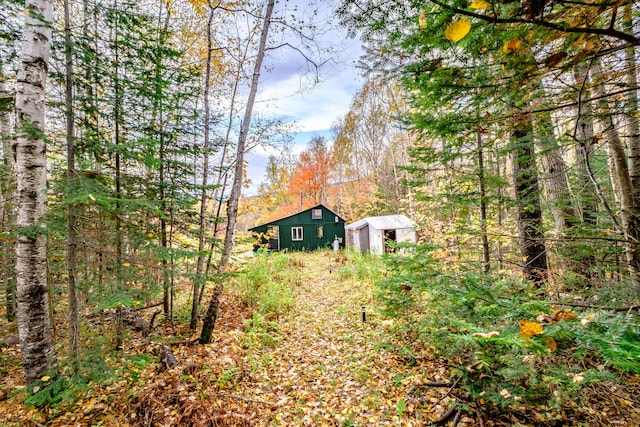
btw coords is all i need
(372, 234)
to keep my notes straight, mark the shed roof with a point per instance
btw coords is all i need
(386, 222)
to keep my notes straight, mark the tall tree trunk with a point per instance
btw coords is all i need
(587, 186)
(199, 280)
(555, 176)
(34, 322)
(584, 148)
(223, 171)
(117, 117)
(632, 111)
(486, 260)
(236, 187)
(74, 334)
(157, 122)
(529, 212)
(622, 178)
(501, 205)
(7, 207)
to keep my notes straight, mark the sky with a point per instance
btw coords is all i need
(292, 90)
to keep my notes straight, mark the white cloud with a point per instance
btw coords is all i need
(285, 90)
(313, 110)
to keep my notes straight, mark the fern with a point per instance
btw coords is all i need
(474, 318)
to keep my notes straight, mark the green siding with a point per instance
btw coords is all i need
(309, 226)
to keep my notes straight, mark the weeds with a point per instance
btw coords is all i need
(268, 286)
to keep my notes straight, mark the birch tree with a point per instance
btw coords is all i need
(236, 188)
(34, 323)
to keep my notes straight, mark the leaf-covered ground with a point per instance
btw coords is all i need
(331, 367)
(317, 364)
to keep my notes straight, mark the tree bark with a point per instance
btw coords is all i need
(236, 188)
(529, 212)
(209, 322)
(34, 322)
(632, 111)
(622, 177)
(74, 334)
(584, 137)
(486, 261)
(555, 176)
(7, 207)
(199, 280)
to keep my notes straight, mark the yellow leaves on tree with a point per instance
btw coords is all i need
(458, 29)
(480, 4)
(199, 6)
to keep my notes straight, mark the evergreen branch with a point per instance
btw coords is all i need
(611, 32)
(557, 107)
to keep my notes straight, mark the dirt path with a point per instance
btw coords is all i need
(331, 368)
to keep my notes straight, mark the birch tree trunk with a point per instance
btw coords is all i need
(34, 323)
(236, 188)
(622, 179)
(631, 113)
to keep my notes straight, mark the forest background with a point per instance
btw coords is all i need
(509, 132)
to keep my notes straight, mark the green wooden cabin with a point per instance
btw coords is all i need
(314, 228)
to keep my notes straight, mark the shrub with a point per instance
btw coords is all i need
(505, 341)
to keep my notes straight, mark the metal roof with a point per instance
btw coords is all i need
(387, 222)
(321, 205)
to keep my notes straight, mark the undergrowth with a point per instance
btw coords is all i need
(507, 343)
(61, 389)
(267, 284)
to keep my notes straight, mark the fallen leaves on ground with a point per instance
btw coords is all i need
(324, 367)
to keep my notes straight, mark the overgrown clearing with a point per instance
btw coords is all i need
(292, 348)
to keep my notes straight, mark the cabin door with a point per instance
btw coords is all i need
(273, 231)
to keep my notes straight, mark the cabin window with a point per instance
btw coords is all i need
(320, 231)
(296, 234)
(316, 214)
